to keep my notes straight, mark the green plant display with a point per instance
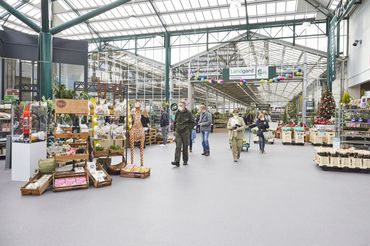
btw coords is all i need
(99, 148)
(61, 92)
(115, 147)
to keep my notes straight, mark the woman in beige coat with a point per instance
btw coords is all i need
(236, 127)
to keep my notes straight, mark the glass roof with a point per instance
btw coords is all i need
(144, 16)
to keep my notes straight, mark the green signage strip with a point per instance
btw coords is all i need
(332, 51)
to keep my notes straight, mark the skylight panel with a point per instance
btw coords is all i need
(203, 3)
(160, 5)
(199, 16)
(252, 10)
(76, 4)
(177, 4)
(186, 4)
(84, 3)
(145, 8)
(182, 17)
(271, 8)
(167, 19)
(261, 9)
(191, 17)
(291, 6)
(137, 10)
(169, 5)
(225, 13)
(175, 18)
(207, 15)
(195, 4)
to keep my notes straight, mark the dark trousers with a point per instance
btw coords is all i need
(190, 141)
(262, 142)
(182, 143)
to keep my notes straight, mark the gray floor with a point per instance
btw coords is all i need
(279, 198)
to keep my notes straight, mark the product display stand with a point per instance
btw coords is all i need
(71, 180)
(25, 157)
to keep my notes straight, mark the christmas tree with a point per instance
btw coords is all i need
(326, 106)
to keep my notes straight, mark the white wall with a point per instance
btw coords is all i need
(359, 56)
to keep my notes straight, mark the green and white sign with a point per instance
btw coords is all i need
(249, 73)
(332, 51)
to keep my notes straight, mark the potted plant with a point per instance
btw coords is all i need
(346, 99)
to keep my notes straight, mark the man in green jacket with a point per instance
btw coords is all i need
(184, 122)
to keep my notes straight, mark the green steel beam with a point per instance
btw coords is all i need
(252, 26)
(20, 16)
(45, 16)
(167, 46)
(45, 63)
(16, 7)
(87, 16)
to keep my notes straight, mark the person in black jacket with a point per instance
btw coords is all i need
(262, 125)
(145, 119)
(165, 122)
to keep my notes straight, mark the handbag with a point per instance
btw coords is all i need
(47, 166)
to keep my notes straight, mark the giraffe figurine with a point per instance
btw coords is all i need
(137, 133)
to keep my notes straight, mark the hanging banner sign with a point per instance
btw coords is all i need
(262, 72)
(332, 50)
(242, 73)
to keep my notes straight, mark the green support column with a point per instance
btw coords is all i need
(45, 63)
(167, 46)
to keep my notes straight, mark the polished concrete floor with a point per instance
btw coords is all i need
(279, 198)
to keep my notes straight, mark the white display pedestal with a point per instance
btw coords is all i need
(25, 159)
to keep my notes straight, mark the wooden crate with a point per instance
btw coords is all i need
(140, 175)
(328, 139)
(82, 135)
(71, 106)
(134, 174)
(71, 174)
(96, 183)
(71, 157)
(322, 160)
(40, 190)
(103, 153)
(286, 137)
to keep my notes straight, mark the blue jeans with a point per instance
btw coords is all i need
(262, 141)
(205, 143)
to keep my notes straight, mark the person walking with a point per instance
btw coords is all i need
(262, 125)
(184, 122)
(205, 123)
(236, 127)
(164, 122)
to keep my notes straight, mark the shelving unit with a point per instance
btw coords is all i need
(354, 128)
(5, 126)
(72, 180)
